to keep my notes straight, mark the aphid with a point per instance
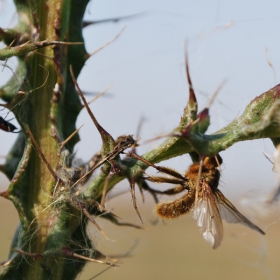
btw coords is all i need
(7, 126)
(203, 198)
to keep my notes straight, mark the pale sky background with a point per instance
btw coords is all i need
(229, 40)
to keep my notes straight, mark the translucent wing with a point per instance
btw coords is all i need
(207, 216)
(229, 213)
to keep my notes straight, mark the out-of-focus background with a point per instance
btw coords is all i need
(233, 40)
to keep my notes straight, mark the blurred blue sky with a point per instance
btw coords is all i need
(230, 40)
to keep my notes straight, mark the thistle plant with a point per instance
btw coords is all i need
(46, 189)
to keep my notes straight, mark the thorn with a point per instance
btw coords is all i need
(63, 143)
(132, 186)
(35, 256)
(104, 134)
(117, 169)
(12, 43)
(106, 44)
(4, 264)
(192, 97)
(133, 155)
(100, 94)
(104, 192)
(89, 259)
(268, 157)
(40, 153)
(94, 222)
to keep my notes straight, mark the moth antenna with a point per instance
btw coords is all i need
(106, 44)
(40, 153)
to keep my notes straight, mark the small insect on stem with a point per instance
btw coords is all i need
(7, 126)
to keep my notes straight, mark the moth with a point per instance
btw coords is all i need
(7, 126)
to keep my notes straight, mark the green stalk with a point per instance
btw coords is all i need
(50, 113)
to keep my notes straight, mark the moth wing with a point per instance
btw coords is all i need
(230, 214)
(207, 216)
